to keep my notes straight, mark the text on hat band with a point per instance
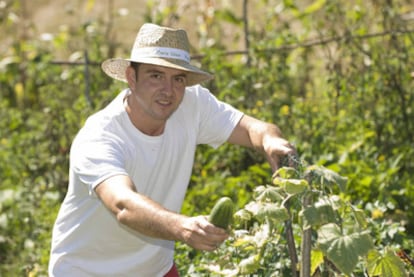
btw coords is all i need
(160, 52)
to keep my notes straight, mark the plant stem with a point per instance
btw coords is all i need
(306, 242)
(291, 241)
(291, 248)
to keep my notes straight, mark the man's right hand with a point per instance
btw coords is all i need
(200, 234)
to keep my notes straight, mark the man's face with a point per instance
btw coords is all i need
(157, 91)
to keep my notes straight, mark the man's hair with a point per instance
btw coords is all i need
(135, 66)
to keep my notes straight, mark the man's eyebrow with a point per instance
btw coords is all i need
(152, 70)
(181, 75)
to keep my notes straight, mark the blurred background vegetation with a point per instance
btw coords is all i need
(335, 75)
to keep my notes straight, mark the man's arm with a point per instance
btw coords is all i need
(146, 216)
(265, 137)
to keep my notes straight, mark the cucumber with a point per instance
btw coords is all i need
(222, 213)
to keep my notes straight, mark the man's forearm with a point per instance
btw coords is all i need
(137, 211)
(251, 132)
(149, 218)
(264, 137)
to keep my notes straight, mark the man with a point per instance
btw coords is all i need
(131, 163)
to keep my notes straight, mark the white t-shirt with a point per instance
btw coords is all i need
(87, 238)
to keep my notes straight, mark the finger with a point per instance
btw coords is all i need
(216, 236)
(210, 248)
(211, 229)
(208, 245)
(274, 164)
(290, 148)
(214, 246)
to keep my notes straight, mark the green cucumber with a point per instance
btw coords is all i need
(222, 213)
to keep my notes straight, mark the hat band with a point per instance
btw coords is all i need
(160, 52)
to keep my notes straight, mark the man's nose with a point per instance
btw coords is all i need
(168, 86)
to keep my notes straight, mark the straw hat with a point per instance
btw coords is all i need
(160, 46)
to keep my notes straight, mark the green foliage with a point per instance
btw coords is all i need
(343, 249)
(387, 264)
(318, 215)
(334, 75)
(343, 241)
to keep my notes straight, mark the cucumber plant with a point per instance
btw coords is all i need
(302, 221)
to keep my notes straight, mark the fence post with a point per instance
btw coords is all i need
(87, 78)
(249, 82)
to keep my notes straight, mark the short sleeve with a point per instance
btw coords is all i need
(217, 119)
(97, 157)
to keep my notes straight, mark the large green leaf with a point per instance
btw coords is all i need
(286, 172)
(387, 264)
(242, 217)
(342, 249)
(291, 186)
(268, 193)
(318, 215)
(322, 176)
(272, 212)
(267, 211)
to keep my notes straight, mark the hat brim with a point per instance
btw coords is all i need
(116, 68)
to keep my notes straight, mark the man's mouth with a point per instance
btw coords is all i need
(164, 102)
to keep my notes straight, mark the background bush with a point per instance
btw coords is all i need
(334, 75)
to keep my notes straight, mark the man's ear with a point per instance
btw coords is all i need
(131, 75)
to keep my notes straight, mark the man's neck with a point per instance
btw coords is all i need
(150, 129)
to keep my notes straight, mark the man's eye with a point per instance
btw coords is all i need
(180, 79)
(156, 76)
